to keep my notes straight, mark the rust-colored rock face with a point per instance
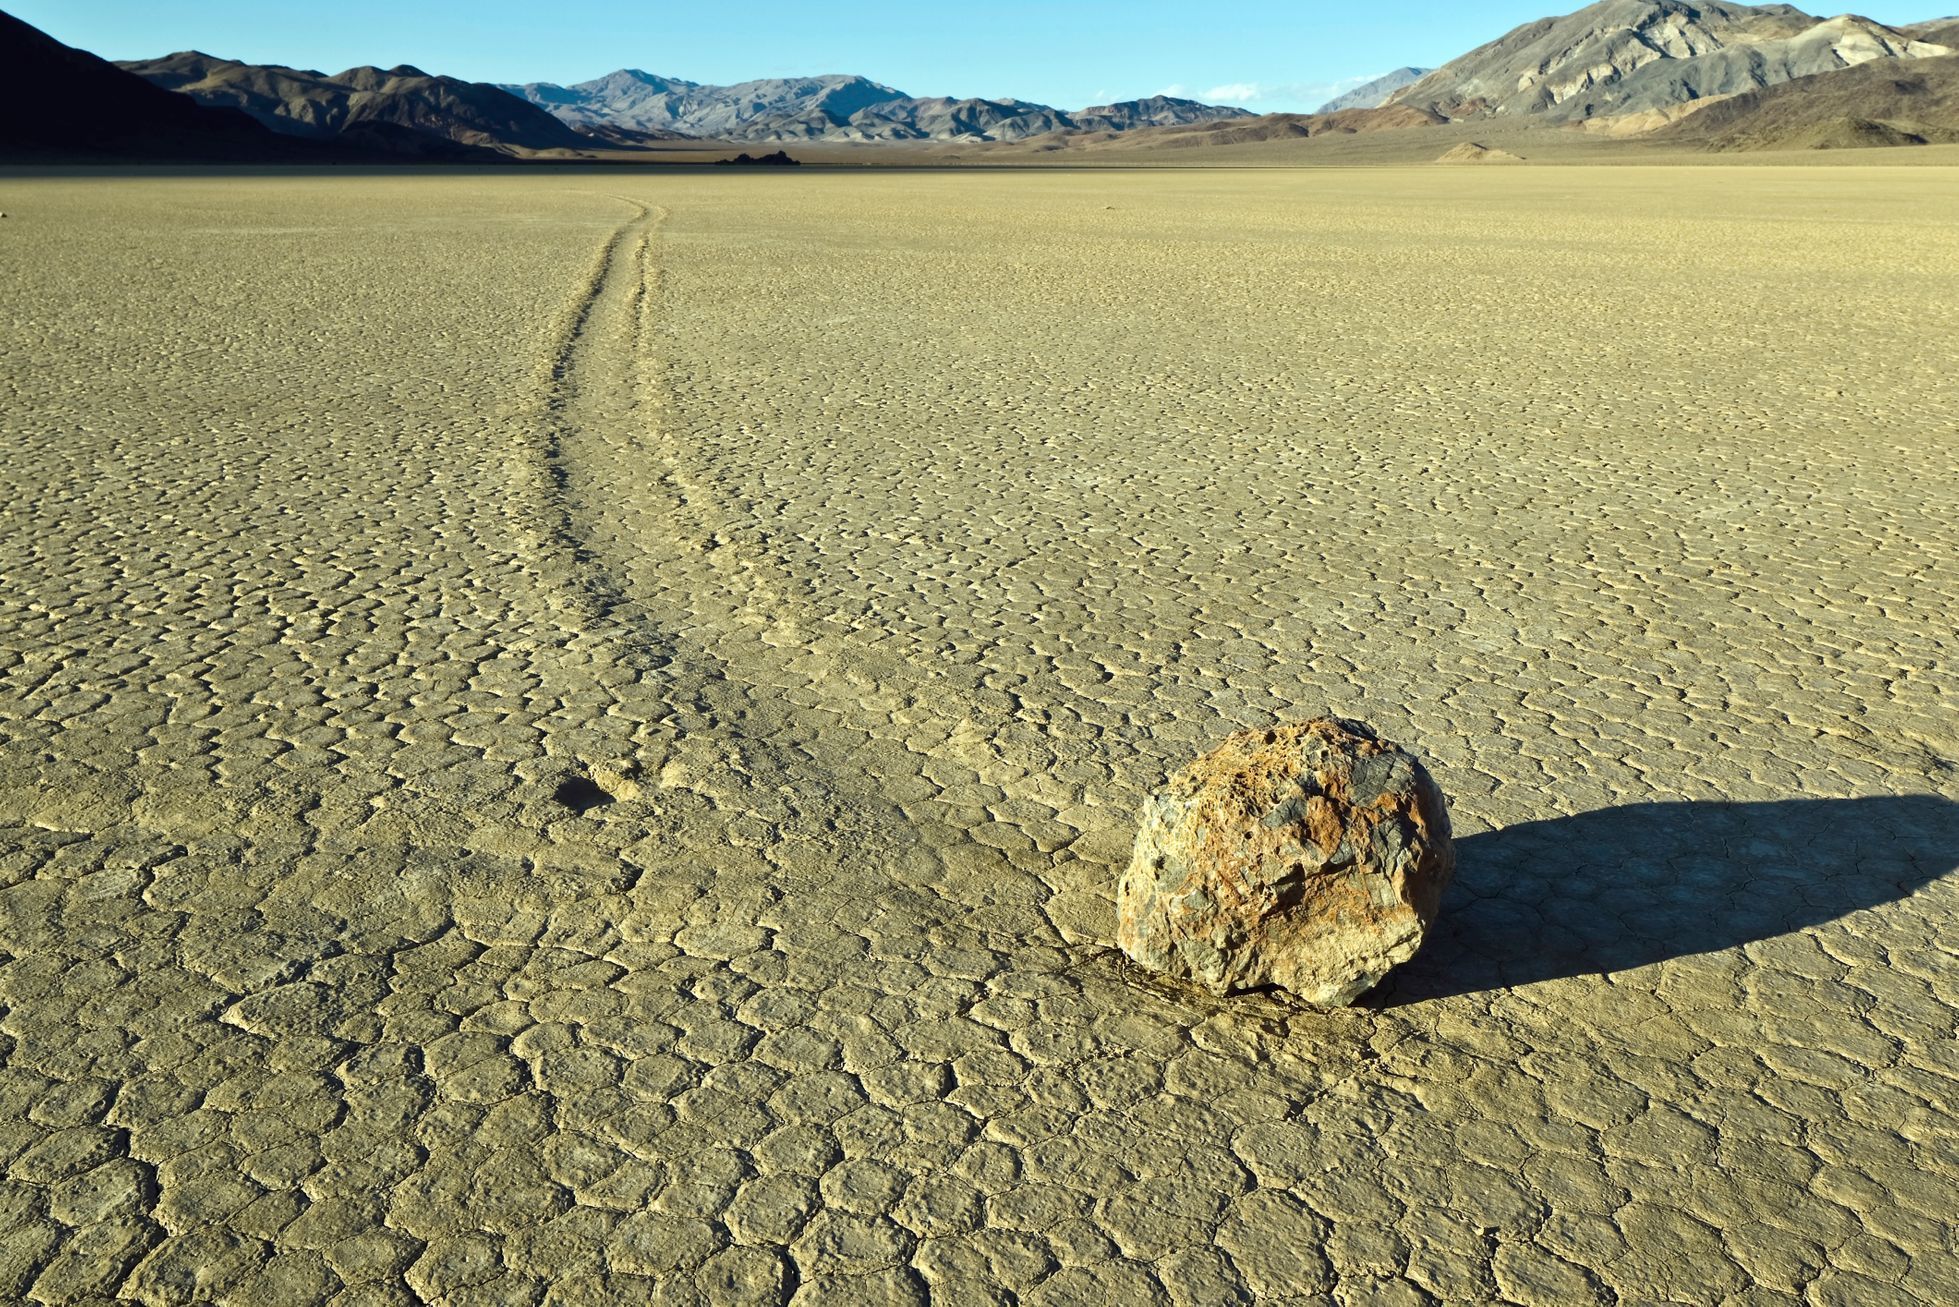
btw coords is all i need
(1311, 856)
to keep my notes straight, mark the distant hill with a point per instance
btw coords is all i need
(1374, 94)
(1939, 31)
(1237, 131)
(834, 108)
(1283, 126)
(1477, 153)
(1155, 111)
(1648, 56)
(60, 102)
(935, 118)
(400, 110)
(1873, 104)
(645, 101)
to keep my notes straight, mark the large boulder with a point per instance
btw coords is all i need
(1310, 856)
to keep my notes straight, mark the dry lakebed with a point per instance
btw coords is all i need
(568, 736)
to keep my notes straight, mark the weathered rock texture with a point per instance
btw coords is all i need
(1311, 856)
(1634, 56)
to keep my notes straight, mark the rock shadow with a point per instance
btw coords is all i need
(1624, 887)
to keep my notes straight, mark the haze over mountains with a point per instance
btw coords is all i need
(835, 108)
(1374, 94)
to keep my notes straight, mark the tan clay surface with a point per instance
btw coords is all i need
(876, 543)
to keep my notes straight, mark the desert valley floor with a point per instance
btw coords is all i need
(568, 735)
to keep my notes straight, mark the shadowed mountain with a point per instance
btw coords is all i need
(1871, 104)
(400, 109)
(1374, 94)
(835, 108)
(1625, 57)
(60, 102)
(1620, 888)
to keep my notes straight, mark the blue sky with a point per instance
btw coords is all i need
(1263, 55)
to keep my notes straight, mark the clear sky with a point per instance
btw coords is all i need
(1267, 55)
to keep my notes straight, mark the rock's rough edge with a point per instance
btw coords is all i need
(1242, 772)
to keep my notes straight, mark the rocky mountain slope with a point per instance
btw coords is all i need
(1374, 94)
(60, 102)
(1938, 31)
(835, 108)
(402, 108)
(1622, 57)
(1876, 103)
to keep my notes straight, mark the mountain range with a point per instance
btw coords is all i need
(381, 108)
(1709, 75)
(835, 108)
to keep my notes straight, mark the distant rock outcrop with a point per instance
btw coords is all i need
(401, 109)
(1374, 94)
(780, 159)
(1635, 56)
(1473, 152)
(1310, 856)
(835, 108)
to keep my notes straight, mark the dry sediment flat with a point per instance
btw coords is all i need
(875, 543)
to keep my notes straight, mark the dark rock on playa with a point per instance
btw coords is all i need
(780, 159)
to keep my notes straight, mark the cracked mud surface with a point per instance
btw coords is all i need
(568, 738)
